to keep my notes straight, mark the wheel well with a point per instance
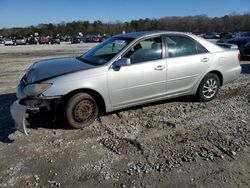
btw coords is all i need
(99, 99)
(219, 75)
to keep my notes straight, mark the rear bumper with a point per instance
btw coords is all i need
(19, 115)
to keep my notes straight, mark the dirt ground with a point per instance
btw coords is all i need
(172, 143)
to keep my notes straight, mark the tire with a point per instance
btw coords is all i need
(77, 105)
(208, 88)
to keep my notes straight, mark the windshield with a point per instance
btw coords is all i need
(104, 52)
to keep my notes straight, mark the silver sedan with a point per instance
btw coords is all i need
(123, 71)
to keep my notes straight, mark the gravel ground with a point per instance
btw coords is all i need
(172, 143)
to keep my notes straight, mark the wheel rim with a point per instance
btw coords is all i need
(210, 88)
(83, 111)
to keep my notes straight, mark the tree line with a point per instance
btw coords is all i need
(195, 24)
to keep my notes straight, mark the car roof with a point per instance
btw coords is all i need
(146, 33)
(137, 35)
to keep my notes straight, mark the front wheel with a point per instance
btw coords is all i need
(81, 110)
(208, 88)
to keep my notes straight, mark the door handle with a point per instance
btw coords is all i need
(205, 60)
(159, 67)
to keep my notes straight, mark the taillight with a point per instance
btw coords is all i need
(239, 57)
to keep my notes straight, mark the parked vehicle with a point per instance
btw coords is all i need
(103, 38)
(87, 39)
(75, 40)
(241, 41)
(1, 41)
(227, 45)
(8, 42)
(95, 39)
(84, 38)
(125, 70)
(62, 38)
(245, 34)
(20, 41)
(54, 40)
(67, 38)
(245, 50)
(32, 40)
(92, 39)
(43, 40)
(226, 35)
(211, 35)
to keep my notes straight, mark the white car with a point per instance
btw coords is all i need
(125, 70)
(20, 41)
(8, 42)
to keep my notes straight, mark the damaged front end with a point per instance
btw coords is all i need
(19, 115)
(21, 109)
(30, 100)
(35, 82)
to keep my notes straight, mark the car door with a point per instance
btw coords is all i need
(186, 62)
(143, 79)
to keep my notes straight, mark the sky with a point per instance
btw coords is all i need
(22, 13)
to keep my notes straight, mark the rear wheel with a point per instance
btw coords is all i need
(208, 88)
(81, 110)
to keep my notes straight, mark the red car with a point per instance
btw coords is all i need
(43, 40)
(95, 39)
(101, 39)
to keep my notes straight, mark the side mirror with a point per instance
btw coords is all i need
(123, 62)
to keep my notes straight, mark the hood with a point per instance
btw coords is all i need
(50, 68)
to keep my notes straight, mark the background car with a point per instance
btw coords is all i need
(75, 40)
(54, 40)
(103, 38)
(8, 42)
(43, 40)
(62, 38)
(1, 41)
(32, 40)
(211, 35)
(67, 39)
(95, 39)
(226, 35)
(241, 40)
(245, 50)
(87, 38)
(20, 41)
(245, 34)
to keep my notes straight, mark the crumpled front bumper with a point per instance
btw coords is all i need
(19, 115)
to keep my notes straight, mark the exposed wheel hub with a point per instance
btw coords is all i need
(83, 111)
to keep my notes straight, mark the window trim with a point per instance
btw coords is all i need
(181, 35)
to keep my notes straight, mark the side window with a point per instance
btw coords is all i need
(183, 46)
(146, 50)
